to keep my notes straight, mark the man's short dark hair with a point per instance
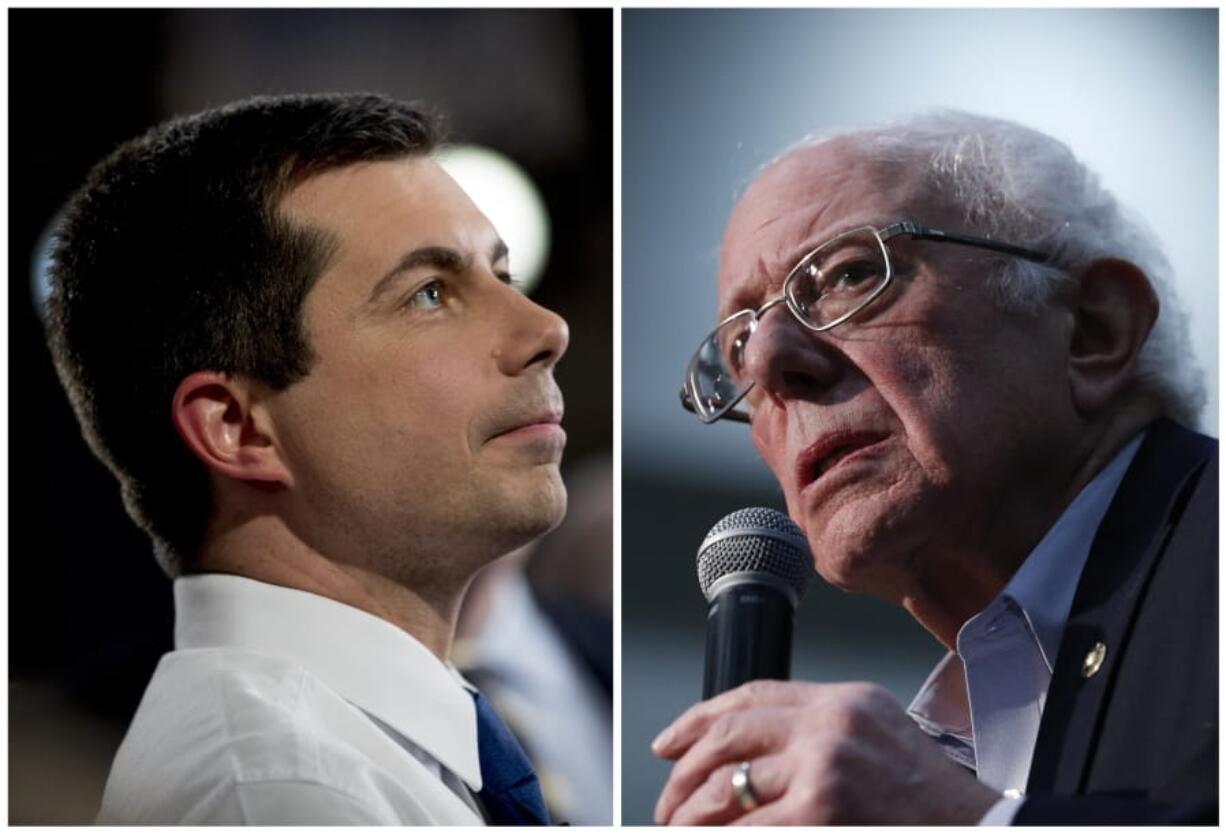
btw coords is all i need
(173, 258)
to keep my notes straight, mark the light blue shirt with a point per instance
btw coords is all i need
(983, 704)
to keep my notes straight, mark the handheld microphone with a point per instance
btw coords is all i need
(753, 568)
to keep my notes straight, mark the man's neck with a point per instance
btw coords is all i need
(263, 549)
(982, 571)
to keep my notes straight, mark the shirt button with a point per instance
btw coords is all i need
(1013, 794)
(1094, 659)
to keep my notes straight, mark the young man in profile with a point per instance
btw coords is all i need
(294, 340)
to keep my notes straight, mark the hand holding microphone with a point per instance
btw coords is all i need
(760, 751)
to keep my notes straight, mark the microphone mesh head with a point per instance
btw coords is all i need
(757, 539)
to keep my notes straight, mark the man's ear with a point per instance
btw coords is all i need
(215, 417)
(1115, 307)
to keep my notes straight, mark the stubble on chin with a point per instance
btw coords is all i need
(498, 516)
(539, 509)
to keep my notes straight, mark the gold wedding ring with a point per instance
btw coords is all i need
(744, 788)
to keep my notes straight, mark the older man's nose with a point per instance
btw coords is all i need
(788, 361)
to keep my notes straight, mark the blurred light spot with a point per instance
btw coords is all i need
(508, 197)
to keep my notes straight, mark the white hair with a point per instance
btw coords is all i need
(1015, 184)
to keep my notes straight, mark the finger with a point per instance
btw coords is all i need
(730, 739)
(779, 813)
(794, 806)
(689, 726)
(716, 801)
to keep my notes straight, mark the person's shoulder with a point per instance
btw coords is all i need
(230, 736)
(1196, 498)
(1174, 470)
(1165, 434)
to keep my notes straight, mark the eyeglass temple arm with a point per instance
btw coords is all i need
(732, 414)
(929, 234)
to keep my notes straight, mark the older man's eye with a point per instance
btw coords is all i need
(736, 351)
(427, 297)
(854, 275)
(732, 349)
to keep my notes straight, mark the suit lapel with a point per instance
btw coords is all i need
(1126, 548)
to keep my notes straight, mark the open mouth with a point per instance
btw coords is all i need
(830, 451)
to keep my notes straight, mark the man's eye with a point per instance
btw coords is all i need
(736, 351)
(427, 297)
(506, 278)
(854, 274)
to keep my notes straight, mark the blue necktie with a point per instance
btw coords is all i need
(510, 792)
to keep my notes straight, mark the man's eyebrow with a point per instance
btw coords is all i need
(438, 257)
(750, 292)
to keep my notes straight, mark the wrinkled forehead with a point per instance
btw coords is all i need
(801, 200)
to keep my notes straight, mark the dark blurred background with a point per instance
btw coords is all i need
(89, 610)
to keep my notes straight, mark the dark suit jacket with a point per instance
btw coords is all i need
(1136, 740)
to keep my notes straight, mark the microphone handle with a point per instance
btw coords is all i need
(749, 636)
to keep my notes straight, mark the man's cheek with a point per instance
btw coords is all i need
(770, 440)
(773, 449)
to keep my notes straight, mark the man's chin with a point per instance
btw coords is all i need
(555, 506)
(846, 572)
(854, 551)
(536, 508)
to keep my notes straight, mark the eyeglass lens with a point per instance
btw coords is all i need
(827, 286)
(717, 370)
(835, 280)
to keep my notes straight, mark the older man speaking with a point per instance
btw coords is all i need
(964, 365)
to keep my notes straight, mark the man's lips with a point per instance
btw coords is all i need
(545, 423)
(828, 451)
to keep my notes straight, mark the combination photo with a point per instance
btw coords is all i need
(612, 416)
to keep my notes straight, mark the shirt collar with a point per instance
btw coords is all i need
(941, 706)
(1042, 589)
(1044, 585)
(378, 667)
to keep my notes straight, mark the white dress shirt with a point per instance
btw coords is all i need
(984, 704)
(283, 707)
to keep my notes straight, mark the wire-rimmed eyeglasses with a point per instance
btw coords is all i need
(828, 286)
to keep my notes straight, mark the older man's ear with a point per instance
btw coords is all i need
(1114, 308)
(219, 420)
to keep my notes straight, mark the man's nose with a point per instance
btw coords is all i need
(531, 335)
(788, 361)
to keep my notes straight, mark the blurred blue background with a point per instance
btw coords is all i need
(708, 97)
